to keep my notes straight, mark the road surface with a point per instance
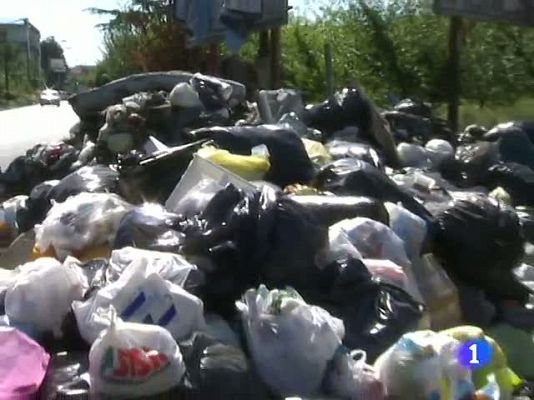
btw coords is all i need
(22, 128)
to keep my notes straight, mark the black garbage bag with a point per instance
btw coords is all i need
(351, 177)
(65, 377)
(289, 160)
(408, 126)
(264, 237)
(331, 209)
(97, 274)
(516, 179)
(149, 227)
(526, 216)
(480, 242)
(375, 314)
(154, 177)
(41, 162)
(219, 371)
(347, 108)
(470, 164)
(342, 149)
(410, 106)
(515, 146)
(37, 206)
(213, 93)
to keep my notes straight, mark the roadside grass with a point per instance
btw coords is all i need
(18, 100)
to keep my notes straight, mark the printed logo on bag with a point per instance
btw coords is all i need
(132, 365)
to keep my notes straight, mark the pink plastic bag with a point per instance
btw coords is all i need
(23, 365)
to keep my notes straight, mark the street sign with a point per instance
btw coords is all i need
(520, 12)
(58, 65)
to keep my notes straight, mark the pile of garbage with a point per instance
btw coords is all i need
(186, 243)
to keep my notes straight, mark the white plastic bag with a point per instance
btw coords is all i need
(291, 342)
(372, 239)
(171, 267)
(412, 155)
(439, 150)
(81, 222)
(141, 295)
(407, 226)
(134, 360)
(183, 95)
(42, 293)
(352, 378)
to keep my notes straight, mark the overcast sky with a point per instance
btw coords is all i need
(67, 21)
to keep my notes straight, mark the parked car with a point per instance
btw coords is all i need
(50, 96)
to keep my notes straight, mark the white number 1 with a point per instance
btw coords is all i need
(474, 359)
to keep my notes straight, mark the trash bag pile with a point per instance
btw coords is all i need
(189, 244)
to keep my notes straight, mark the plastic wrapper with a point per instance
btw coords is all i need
(343, 149)
(331, 209)
(350, 377)
(153, 178)
(287, 154)
(516, 179)
(290, 341)
(42, 293)
(317, 152)
(379, 317)
(251, 167)
(408, 227)
(23, 367)
(81, 222)
(423, 365)
(413, 155)
(219, 370)
(141, 295)
(149, 227)
(134, 360)
(358, 178)
(480, 242)
(497, 370)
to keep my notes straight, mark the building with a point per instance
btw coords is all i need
(22, 33)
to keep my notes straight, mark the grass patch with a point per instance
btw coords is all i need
(18, 100)
(492, 115)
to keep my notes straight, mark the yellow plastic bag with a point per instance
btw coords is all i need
(317, 152)
(252, 168)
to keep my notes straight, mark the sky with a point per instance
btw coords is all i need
(72, 26)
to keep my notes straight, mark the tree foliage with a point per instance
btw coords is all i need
(51, 49)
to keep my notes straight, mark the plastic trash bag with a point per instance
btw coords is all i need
(497, 369)
(219, 370)
(513, 142)
(90, 179)
(9, 224)
(141, 295)
(331, 209)
(42, 293)
(36, 206)
(518, 346)
(516, 179)
(81, 222)
(414, 107)
(439, 293)
(439, 151)
(251, 167)
(346, 108)
(149, 227)
(274, 104)
(196, 200)
(350, 377)
(388, 272)
(408, 227)
(373, 240)
(342, 149)
(375, 314)
(132, 360)
(358, 178)
(66, 377)
(470, 164)
(290, 341)
(287, 154)
(183, 95)
(23, 367)
(480, 242)
(413, 155)
(423, 365)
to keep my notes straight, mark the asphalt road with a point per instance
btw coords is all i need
(24, 127)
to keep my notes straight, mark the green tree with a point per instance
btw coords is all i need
(51, 49)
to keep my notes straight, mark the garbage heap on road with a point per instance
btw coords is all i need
(187, 243)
